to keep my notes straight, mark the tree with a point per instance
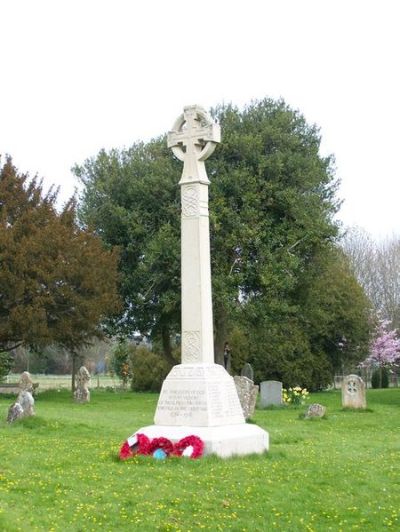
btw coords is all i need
(5, 364)
(272, 201)
(57, 283)
(377, 267)
(384, 349)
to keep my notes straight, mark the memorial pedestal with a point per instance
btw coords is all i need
(224, 441)
(201, 400)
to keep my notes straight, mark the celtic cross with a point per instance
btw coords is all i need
(193, 139)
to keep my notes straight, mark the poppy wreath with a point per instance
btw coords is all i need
(136, 444)
(191, 446)
(161, 443)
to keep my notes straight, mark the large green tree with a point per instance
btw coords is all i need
(57, 282)
(272, 202)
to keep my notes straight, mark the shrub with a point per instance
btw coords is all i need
(120, 361)
(378, 374)
(5, 364)
(149, 370)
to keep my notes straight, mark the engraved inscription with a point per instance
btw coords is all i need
(190, 201)
(184, 404)
(223, 400)
(191, 346)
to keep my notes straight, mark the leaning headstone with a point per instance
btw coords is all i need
(247, 392)
(14, 412)
(82, 393)
(353, 392)
(270, 393)
(23, 407)
(247, 371)
(25, 382)
(315, 410)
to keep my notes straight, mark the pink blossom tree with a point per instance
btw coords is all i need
(384, 349)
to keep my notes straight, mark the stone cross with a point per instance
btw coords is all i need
(193, 140)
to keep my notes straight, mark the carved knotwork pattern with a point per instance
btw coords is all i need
(190, 201)
(191, 345)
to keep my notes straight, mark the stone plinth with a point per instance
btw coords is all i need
(224, 441)
(198, 395)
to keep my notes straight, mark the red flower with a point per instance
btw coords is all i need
(190, 441)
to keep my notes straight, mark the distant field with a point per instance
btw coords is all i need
(59, 382)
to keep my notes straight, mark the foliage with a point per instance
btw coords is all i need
(380, 378)
(272, 202)
(120, 361)
(5, 364)
(149, 370)
(57, 282)
(64, 462)
(384, 353)
(385, 347)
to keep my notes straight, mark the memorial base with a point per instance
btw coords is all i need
(224, 441)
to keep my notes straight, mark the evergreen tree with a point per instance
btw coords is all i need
(272, 202)
(57, 283)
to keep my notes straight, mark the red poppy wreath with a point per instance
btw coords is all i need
(190, 446)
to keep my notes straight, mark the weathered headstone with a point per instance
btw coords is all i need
(353, 392)
(22, 407)
(27, 402)
(247, 371)
(25, 382)
(14, 412)
(198, 395)
(247, 392)
(270, 393)
(315, 410)
(82, 379)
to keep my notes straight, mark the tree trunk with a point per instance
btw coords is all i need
(74, 370)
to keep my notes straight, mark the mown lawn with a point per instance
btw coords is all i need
(59, 470)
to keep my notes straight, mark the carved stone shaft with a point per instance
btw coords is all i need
(192, 140)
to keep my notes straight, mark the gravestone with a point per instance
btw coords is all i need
(82, 379)
(247, 371)
(22, 407)
(199, 397)
(270, 393)
(247, 392)
(14, 412)
(353, 392)
(25, 382)
(315, 410)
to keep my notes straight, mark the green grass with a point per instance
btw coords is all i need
(59, 470)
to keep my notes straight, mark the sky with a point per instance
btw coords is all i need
(77, 76)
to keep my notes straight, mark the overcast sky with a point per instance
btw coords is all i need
(81, 75)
